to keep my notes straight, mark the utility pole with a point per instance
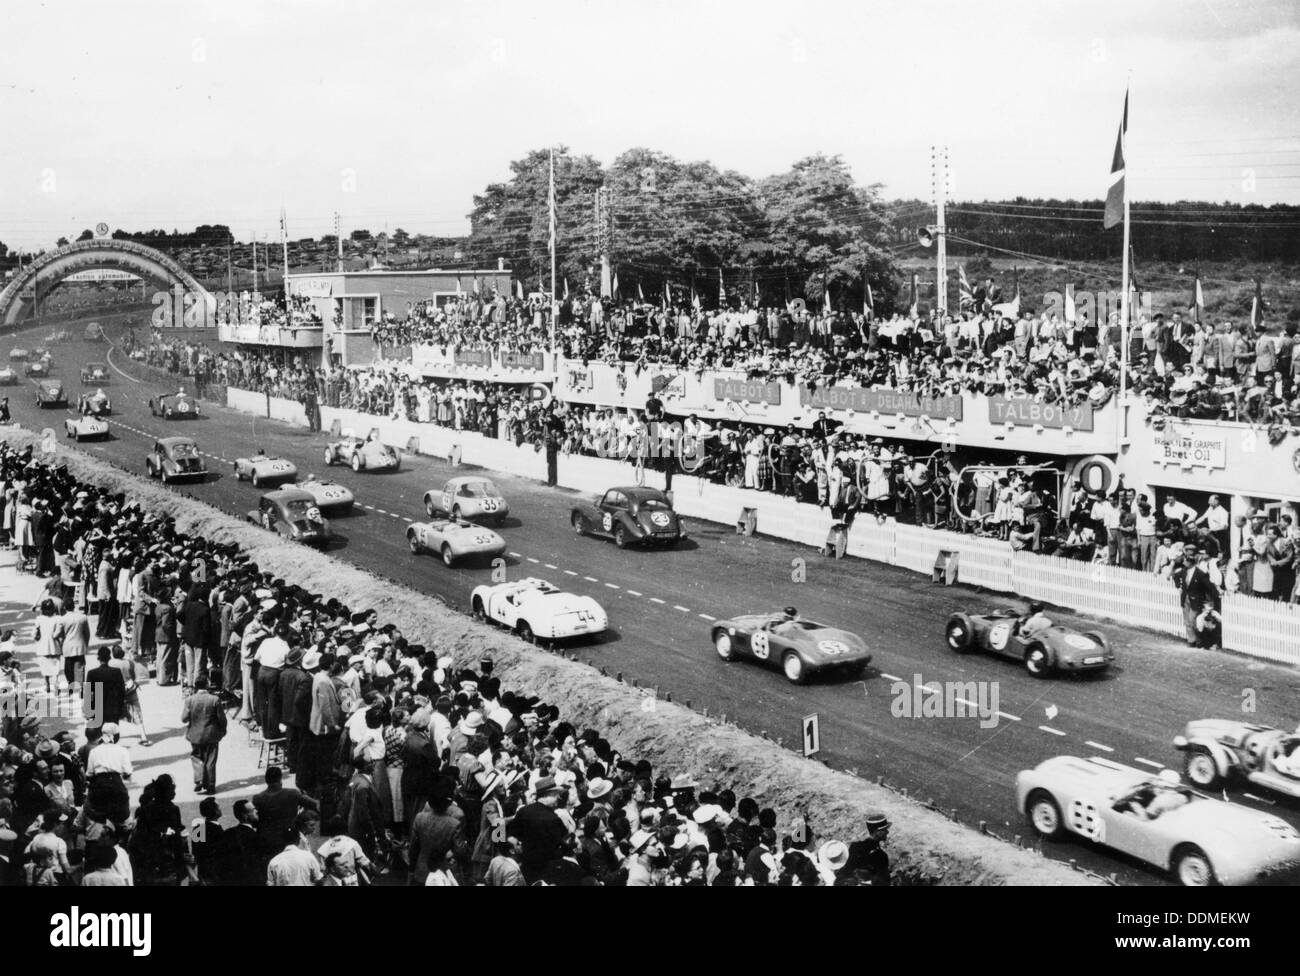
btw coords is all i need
(338, 238)
(604, 238)
(939, 181)
(254, 266)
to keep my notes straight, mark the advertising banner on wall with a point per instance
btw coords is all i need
(1204, 450)
(1028, 412)
(880, 401)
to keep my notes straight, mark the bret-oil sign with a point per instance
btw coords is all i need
(1201, 450)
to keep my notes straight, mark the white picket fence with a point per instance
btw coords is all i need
(1260, 628)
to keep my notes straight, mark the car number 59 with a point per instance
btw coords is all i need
(759, 645)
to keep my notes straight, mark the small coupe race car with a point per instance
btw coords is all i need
(1150, 816)
(629, 516)
(262, 470)
(175, 459)
(536, 610)
(468, 497)
(363, 453)
(783, 640)
(37, 368)
(18, 354)
(95, 404)
(292, 514)
(8, 376)
(169, 405)
(453, 539)
(1044, 650)
(50, 393)
(96, 373)
(1223, 749)
(331, 497)
(85, 427)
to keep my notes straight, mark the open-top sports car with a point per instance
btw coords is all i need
(629, 516)
(363, 453)
(1154, 818)
(37, 367)
(536, 610)
(785, 641)
(469, 497)
(95, 404)
(292, 514)
(331, 497)
(1223, 749)
(85, 427)
(175, 459)
(8, 376)
(96, 373)
(262, 470)
(1044, 650)
(18, 354)
(54, 338)
(169, 405)
(453, 539)
(50, 393)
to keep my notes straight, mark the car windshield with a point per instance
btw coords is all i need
(299, 507)
(477, 489)
(183, 451)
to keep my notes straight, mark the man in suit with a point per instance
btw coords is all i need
(75, 626)
(362, 807)
(205, 727)
(240, 856)
(1198, 595)
(105, 694)
(295, 703)
(165, 638)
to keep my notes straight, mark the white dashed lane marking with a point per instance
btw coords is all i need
(655, 599)
(517, 555)
(1048, 728)
(1098, 745)
(889, 677)
(591, 579)
(613, 586)
(633, 593)
(569, 572)
(1148, 762)
(678, 606)
(550, 566)
(705, 616)
(532, 560)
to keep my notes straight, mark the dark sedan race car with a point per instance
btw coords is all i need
(50, 393)
(1045, 648)
(629, 516)
(293, 514)
(96, 373)
(797, 647)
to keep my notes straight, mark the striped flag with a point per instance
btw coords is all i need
(614, 287)
(1198, 301)
(566, 287)
(967, 294)
(667, 294)
(1257, 307)
(1115, 195)
(695, 299)
(1071, 311)
(458, 291)
(826, 296)
(758, 299)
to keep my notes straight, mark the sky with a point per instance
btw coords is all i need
(172, 113)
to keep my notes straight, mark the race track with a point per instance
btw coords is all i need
(661, 603)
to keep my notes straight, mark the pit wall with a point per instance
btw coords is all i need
(1260, 628)
(926, 847)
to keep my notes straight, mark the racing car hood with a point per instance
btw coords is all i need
(1225, 730)
(1069, 643)
(326, 491)
(561, 602)
(473, 535)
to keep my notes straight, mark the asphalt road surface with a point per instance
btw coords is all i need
(661, 603)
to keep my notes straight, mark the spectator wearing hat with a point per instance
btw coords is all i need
(438, 830)
(205, 727)
(643, 848)
(74, 627)
(539, 829)
(277, 809)
(166, 637)
(295, 704)
(503, 871)
(196, 633)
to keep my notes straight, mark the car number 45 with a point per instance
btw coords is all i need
(1085, 819)
(759, 645)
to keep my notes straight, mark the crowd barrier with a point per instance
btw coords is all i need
(1256, 627)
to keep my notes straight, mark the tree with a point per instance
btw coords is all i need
(360, 235)
(61, 242)
(86, 235)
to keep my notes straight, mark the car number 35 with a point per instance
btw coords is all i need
(759, 645)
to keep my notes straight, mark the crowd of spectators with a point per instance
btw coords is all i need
(407, 763)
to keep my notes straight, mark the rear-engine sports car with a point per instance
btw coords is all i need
(50, 393)
(170, 405)
(95, 404)
(331, 497)
(85, 427)
(629, 516)
(468, 497)
(37, 368)
(1045, 648)
(1218, 750)
(175, 459)
(262, 470)
(363, 454)
(785, 641)
(453, 539)
(1150, 816)
(96, 373)
(536, 610)
(293, 514)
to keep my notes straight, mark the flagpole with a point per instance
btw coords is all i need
(284, 248)
(1124, 310)
(555, 305)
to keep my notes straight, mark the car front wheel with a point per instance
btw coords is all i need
(429, 508)
(329, 457)
(447, 558)
(356, 462)
(257, 482)
(1037, 661)
(525, 632)
(1193, 869)
(722, 644)
(958, 633)
(1044, 815)
(579, 524)
(414, 543)
(1202, 769)
(792, 665)
(620, 537)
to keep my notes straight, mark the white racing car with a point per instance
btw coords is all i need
(536, 610)
(262, 470)
(85, 427)
(453, 539)
(469, 497)
(363, 453)
(331, 497)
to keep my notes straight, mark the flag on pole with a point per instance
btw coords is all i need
(613, 289)
(916, 291)
(1198, 301)
(869, 300)
(476, 284)
(566, 287)
(967, 294)
(1257, 307)
(668, 298)
(458, 291)
(1115, 195)
(519, 290)
(695, 299)
(550, 204)
(1071, 311)
(1011, 309)
(758, 299)
(640, 295)
(722, 291)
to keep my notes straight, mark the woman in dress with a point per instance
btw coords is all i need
(24, 538)
(106, 595)
(47, 645)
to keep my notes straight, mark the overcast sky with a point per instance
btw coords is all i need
(159, 113)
